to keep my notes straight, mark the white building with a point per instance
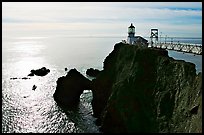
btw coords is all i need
(135, 40)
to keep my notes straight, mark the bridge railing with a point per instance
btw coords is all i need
(182, 47)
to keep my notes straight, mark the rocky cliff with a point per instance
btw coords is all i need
(144, 90)
(69, 88)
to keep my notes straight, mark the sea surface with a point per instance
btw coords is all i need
(25, 110)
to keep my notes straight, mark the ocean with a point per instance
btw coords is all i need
(25, 110)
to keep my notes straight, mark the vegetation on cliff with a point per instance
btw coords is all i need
(144, 90)
(139, 90)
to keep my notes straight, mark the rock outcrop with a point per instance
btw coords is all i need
(39, 72)
(24, 78)
(139, 90)
(92, 72)
(145, 90)
(70, 87)
(34, 87)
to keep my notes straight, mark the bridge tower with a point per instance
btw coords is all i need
(154, 37)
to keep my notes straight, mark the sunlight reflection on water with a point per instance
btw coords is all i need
(25, 110)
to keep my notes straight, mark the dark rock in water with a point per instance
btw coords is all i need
(25, 78)
(13, 78)
(25, 96)
(19, 78)
(31, 74)
(34, 87)
(145, 90)
(39, 72)
(70, 87)
(92, 72)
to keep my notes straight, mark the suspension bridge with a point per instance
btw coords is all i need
(186, 48)
(181, 47)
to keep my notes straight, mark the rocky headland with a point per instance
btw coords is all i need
(141, 90)
(69, 88)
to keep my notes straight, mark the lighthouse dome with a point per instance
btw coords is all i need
(131, 26)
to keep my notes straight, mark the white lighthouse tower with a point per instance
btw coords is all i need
(131, 34)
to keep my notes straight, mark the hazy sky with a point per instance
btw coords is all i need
(183, 19)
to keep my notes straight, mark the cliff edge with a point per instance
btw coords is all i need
(144, 90)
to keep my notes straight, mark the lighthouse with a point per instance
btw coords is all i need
(131, 34)
(135, 40)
